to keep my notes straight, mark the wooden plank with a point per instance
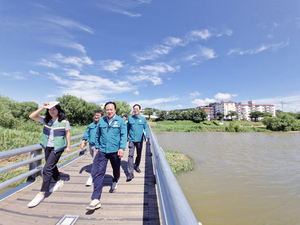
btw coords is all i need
(134, 202)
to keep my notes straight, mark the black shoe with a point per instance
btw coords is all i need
(130, 177)
(137, 169)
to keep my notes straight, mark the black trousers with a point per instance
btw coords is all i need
(98, 178)
(138, 146)
(50, 169)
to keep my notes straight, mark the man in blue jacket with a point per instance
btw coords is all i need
(90, 136)
(137, 127)
(110, 145)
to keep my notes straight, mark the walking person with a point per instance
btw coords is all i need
(90, 136)
(124, 116)
(110, 145)
(137, 130)
(55, 139)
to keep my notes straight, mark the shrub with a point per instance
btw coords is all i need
(216, 122)
(206, 122)
(196, 119)
(179, 162)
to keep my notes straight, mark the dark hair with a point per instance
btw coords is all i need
(137, 105)
(107, 103)
(124, 115)
(99, 111)
(61, 114)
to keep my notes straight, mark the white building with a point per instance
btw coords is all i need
(243, 110)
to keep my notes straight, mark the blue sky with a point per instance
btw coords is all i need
(162, 54)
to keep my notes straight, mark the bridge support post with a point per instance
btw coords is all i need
(35, 164)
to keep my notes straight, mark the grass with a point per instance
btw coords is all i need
(190, 126)
(178, 162)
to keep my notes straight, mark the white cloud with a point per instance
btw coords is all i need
(153, 53)
(191, 57)
(16, 77)
(154, 79)
(148, 103)
(196, 34)
(119, 6)
(194, 94)
(173, 41)
(208, 53)
(47, 63)
(180, 106)
(111, 65)
(157, 68)
(69, 24)
(273, 47)
(98, 87)
(203, 53)
(223, 96)
(152, 72)
(33, 72)
(136, 93)
(77, 61)
(201, 102)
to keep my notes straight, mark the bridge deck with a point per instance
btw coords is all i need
(134, 202)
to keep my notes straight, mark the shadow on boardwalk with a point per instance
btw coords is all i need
(134, 202)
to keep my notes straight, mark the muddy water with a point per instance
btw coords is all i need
(240, 178)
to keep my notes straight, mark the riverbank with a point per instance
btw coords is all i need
(190, 126)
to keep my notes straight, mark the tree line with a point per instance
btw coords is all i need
(13, 114)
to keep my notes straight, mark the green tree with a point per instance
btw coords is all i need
(78, 111)
(161, 115)
(202, 114)
(148, 112)
(267, 114)
(283, 122)
(13, 112)
(123, 107)
(185, 115)
(220, 115)
(232, 114)
(22, 110)
(255, 115)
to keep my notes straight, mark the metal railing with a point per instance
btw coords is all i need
(175, 210)
(34, 161)
(174, 207)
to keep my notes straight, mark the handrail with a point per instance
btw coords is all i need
(18, 151)
(35, 161)
(174, 207)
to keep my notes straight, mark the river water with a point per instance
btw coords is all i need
(240, 178)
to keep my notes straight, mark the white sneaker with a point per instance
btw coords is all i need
(56, 186)
(37, 200)
(89, 181)
(95, 204)
(114, 187)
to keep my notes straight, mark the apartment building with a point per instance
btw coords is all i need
(207, 110)
(243, 110)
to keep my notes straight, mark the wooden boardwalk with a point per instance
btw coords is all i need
(134, 202)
